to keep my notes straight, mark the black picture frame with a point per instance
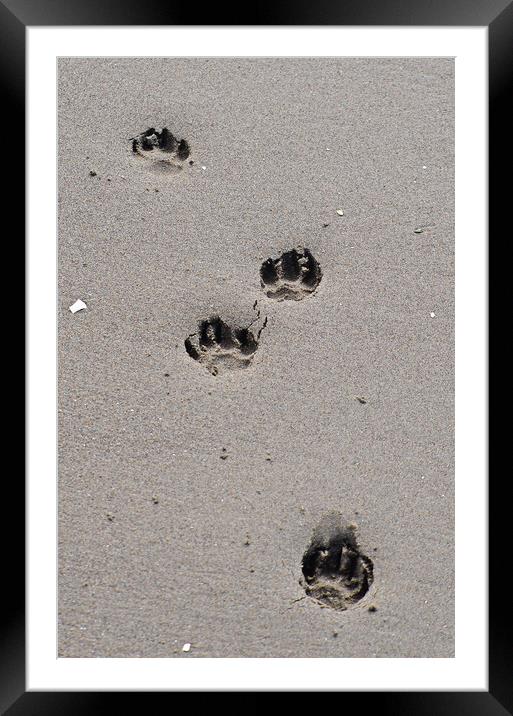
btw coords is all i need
(15, 16)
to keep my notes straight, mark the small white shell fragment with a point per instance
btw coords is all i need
(186, 647)
(78, 306)
(432, 314)
(340, 212)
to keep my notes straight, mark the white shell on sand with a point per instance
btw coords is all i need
(77, 306)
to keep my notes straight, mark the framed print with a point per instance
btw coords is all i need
(257, 319)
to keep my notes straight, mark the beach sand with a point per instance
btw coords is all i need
(187, 500)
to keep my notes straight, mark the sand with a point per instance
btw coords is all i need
(186, 499)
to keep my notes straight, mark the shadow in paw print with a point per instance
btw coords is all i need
(164, 151)
(294, 275)
(219, 347)
(335, 572)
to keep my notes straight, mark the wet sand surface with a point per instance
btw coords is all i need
(186, 499)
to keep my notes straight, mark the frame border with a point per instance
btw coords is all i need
(497, 15)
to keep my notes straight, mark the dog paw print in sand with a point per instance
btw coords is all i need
(162, 150)
(220, 347)
(294, 275)
(335, 572)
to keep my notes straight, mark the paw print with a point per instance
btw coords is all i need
(220, 347)
(335, 572)
(160, 146)
(294, 275)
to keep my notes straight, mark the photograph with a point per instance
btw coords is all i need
(257, 255)
(256, 357)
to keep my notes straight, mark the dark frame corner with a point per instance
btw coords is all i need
(497, 15)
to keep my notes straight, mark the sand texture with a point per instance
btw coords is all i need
(193, 481)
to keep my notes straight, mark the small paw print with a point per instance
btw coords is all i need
(220, 347)
(335, 572)
(294, 275)
(161, 146)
